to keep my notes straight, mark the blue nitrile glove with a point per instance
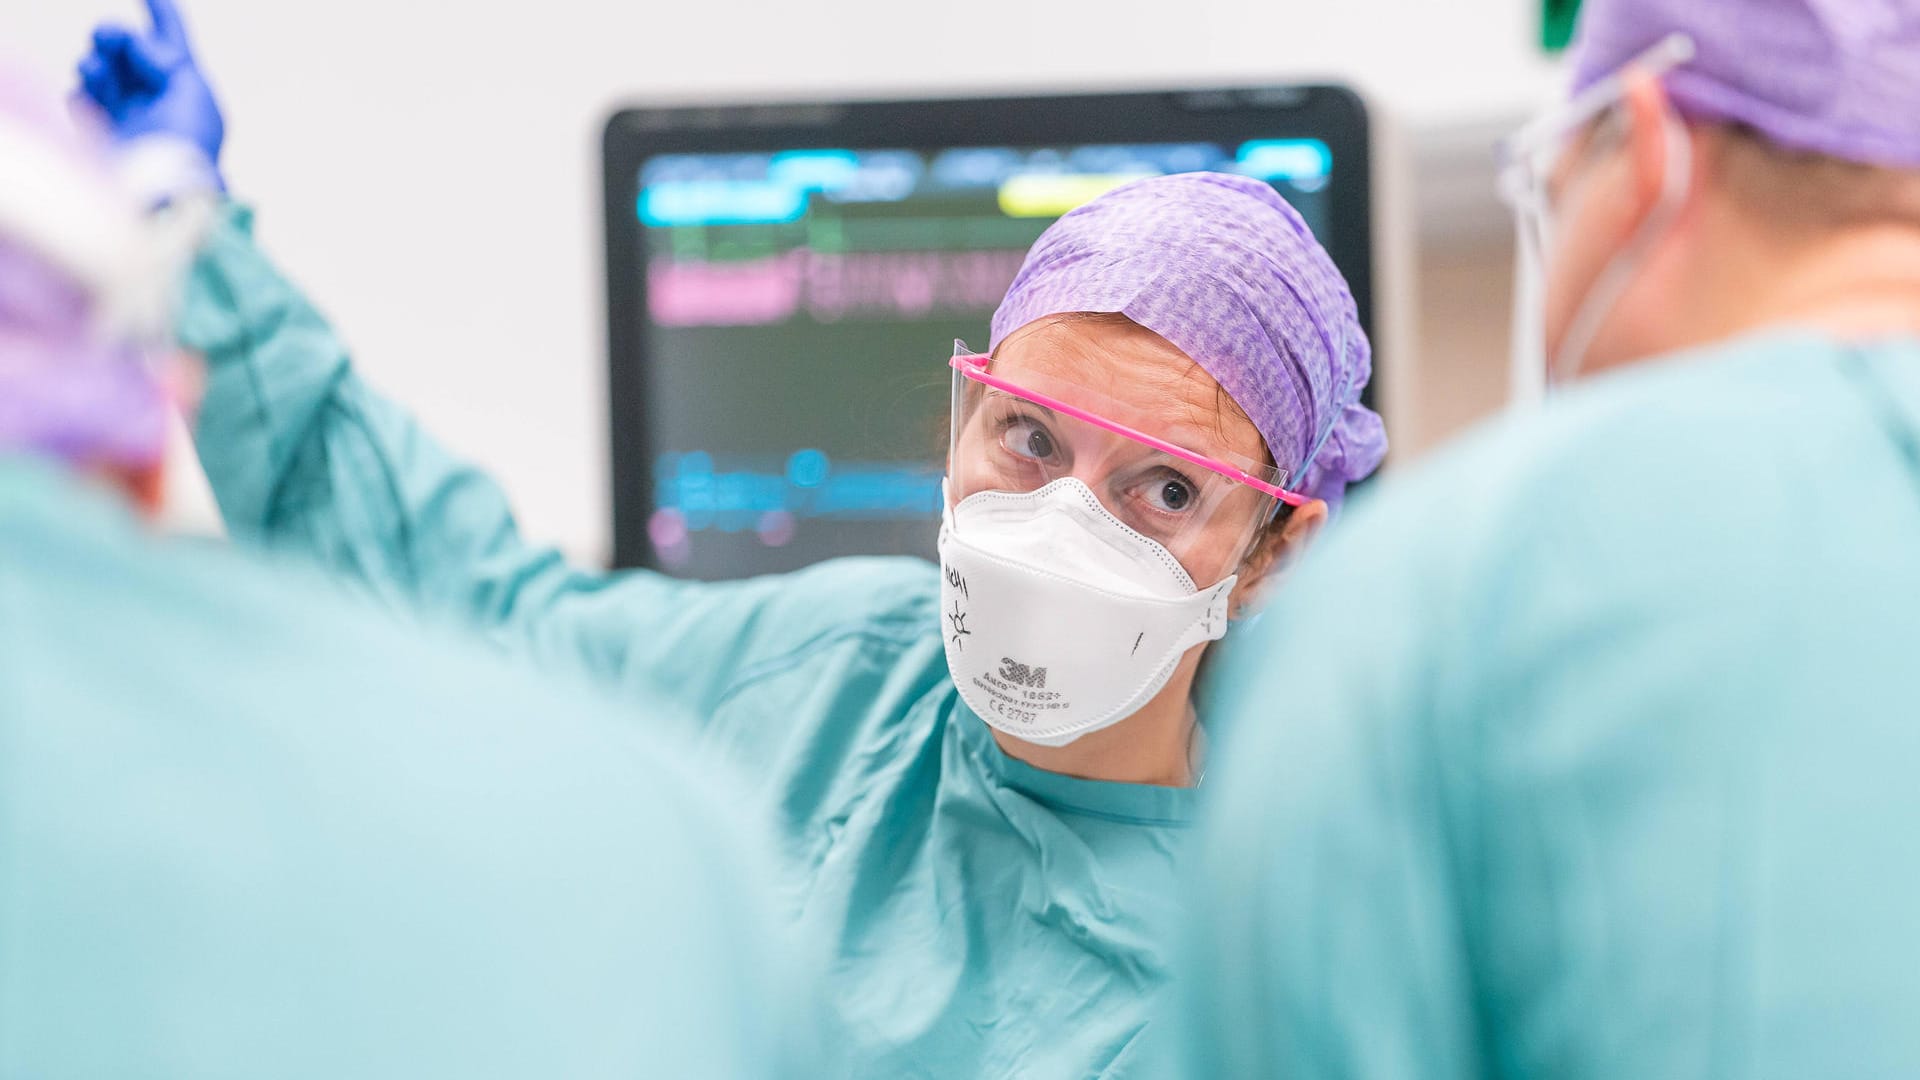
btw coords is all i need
(148, 84)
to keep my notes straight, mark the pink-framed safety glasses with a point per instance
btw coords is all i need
(975, 366)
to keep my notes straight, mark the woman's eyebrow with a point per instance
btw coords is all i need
(1185, 433)
(994, 392)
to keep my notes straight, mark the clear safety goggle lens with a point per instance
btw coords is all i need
(1151, 465)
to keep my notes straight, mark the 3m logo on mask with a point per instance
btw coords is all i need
(1033, 678)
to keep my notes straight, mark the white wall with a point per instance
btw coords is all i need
(430, 172)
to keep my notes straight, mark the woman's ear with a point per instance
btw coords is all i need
(1279, 552)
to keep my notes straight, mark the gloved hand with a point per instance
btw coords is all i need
(148, 84)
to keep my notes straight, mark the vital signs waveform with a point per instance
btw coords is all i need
(828, 287)
(695, 494)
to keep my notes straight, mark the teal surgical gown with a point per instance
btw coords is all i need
(982, 918)
(1589, 749)
(249, 829)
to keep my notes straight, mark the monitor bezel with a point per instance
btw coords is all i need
(1331, 113)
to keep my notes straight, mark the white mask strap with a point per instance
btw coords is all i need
(1626, 263)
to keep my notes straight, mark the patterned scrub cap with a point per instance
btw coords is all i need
(1221, 267)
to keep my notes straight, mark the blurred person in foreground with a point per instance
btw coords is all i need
(1598, 760)
(248, 829)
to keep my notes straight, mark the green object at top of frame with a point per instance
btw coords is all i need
(1557, 19)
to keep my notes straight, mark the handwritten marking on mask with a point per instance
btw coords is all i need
(957, 618)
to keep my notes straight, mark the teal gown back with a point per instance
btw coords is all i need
(1587, 749)
(249, 827)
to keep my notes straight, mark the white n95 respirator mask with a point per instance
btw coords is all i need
(1059, 618)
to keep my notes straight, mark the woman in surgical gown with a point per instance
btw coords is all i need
(993, 904)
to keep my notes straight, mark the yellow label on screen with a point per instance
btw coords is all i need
(1040, 195)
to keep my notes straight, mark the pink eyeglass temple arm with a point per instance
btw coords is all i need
(975, 367)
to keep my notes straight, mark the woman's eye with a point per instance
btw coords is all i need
(1170, 494)
(1028, 440)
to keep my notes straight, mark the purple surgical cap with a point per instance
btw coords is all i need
(1834, 77)
(66, 390)
(1226, 271)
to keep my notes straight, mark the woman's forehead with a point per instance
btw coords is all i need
(1126, 373)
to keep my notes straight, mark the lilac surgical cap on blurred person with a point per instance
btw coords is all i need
(68, 388)
(1225, 270)
(1833, 77)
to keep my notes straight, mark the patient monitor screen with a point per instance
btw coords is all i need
(800, 307)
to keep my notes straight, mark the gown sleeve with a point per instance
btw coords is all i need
(304, 457)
